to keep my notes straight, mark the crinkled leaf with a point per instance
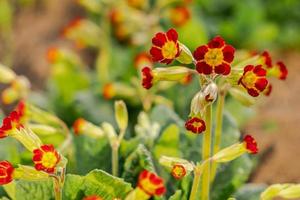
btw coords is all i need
(137, 161)
(29, 190)
(92, 154)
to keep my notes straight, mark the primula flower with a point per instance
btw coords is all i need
(250, 144)
(195, 125)
(142, 59)
(108, 91)
(93, 197)
(215, 57)
(254, 79)
(165, 47)
(267, 60)
(78, 125)
(151, 184)
(147, 80)
(180, 15)
(52, 54)
(268, 90)
(6, 172)
(178, 171)
(73, 24)
(10, 124)
(45, 158)
(279, 70)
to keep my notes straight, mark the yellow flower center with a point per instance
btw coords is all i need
(249, 79)
(148, 186)
(178, 170)
(169, 50)
(49, 160)
(214, 57)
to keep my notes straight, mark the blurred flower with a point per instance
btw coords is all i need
(254, 79)
(79, 125)
(151, 184)
(195, 125)
(10, 124)
(52, 54)
(93, 197)
(187, 79)
(142, 59)
(137, 3)
(179, 15)
(165, 46)
(215, 57)
(178, 171)
(18, 89)
(6, 74)
(268, 90)
(267, 60)
(6, 172)
(108, 91)
(71, 25)
(151, 76)
(46, 158)
(121, 115)
(116, 16)
(250, 144)
(279, 71)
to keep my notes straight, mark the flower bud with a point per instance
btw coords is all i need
(242, 96)
(121, 115)
(185, 56)
(204, 98)
(111, 90)
(288, 191)
(81, 126)
(6, 75)
(110, 132)
(179, 167)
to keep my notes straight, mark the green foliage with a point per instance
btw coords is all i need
(250, 192)
(28, 190)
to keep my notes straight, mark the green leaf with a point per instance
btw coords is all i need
(168, 143)
(230, 177)
(176, 196)
(92, 153)
(137, 161)
(29, 190)
(250, 192)
(97, 182)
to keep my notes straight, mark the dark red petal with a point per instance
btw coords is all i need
(37, 157)
(160, 191)
(159, 39)
(253, 92)
(228, 53)
(283, 70)
(47, 147)
(204, 68)
(248, 68)
(172, 35)
(261, 84)
(223, 69)
(268, 59)
(216, 42)
(200, 52)
(259, 71)
(167, 61)
(156, 54)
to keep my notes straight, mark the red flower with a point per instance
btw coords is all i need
(254, 79)
(178, 171)
(147, 81)
(280, 70)
(45, 158)
(267, 60)
(151, 184)
(10, 123)
(165, 47)
(93, 197)
(142, 59)
(195, 124)
(78, 125)
(180, 15)
(250, 144)
(73, 24)
(215, 57)
(52, 54)
(6, 172)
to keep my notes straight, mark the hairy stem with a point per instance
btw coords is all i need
(115, 158)
(218, 132)
(206, 153)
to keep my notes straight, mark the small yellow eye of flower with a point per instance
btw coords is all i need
(49, 160)
(169, 50)
(214, 57)
(45, 158)
(178, 171)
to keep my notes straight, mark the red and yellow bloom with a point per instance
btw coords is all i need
(10, 123)
(52, 54)
(93, 197)
(195, 125)
(6, 172)
(250, 144)
(178, 171)
(279, 71)
(215, 57)
(267, 60)
(45, 158)
(165, 47)
(151, 184)
(73, 24)
(78, 125)
(254, 79)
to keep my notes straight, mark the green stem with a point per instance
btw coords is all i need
(195, 186)
(115, 158)
(218, 131)
(206, 153)
(57, 188)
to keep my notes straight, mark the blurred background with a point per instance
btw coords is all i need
(28, 28)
